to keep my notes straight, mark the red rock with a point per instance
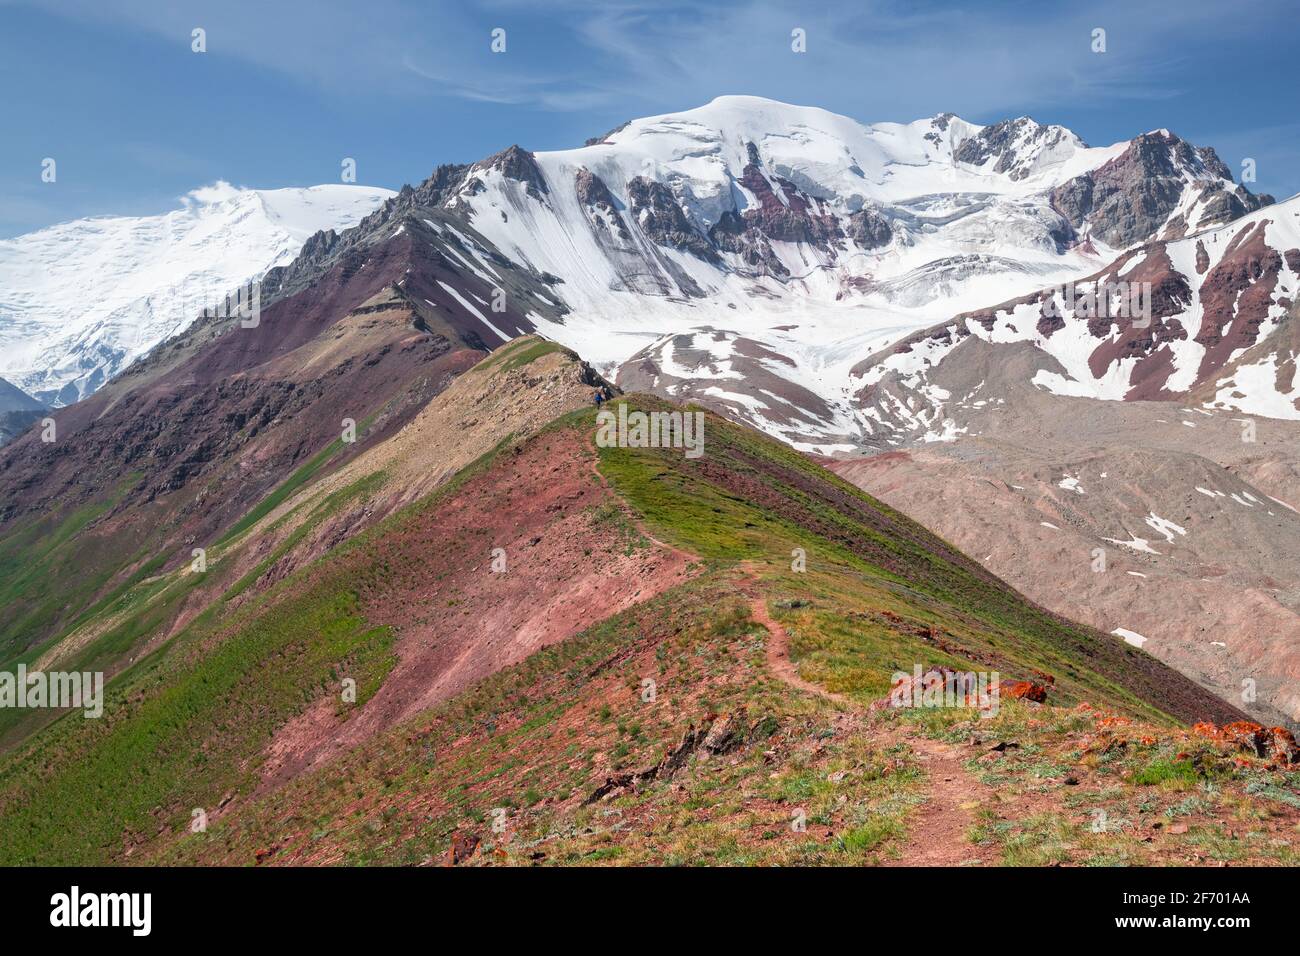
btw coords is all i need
(463, 845)
(263, 855)
(1023, 690)
(1207, 730)
(1280, 744)
(1247, 735)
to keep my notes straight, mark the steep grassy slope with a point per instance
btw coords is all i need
(362, 328)
(480, 687)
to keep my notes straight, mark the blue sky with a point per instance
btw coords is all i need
(111, 90)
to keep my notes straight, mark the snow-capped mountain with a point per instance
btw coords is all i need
(748, 240)
(748, 253)
(1221, 333)
(81, 300)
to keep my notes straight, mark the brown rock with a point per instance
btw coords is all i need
(463, 845)
(1023, 690)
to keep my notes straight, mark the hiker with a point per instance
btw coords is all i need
(598, 398)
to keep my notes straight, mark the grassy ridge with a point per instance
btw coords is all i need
(750, 498)
(535, 735)
(186, 726)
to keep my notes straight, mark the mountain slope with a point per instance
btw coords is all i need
(81, 300)
(609, 554)
(768, 229)
(780, 228)
(1155, 522)
(1219, 329)
(17, 411)
(175, 450)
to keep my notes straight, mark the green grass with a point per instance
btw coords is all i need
(520, 352)
(48, 573)
(1168, 773)
(185, 726)
(282, 493)
(751, 499)
(188, 725)
(183, 746)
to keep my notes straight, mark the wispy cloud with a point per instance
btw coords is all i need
(894, 58)
(315, 76)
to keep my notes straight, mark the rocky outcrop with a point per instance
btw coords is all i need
(1272, 743)
(517, 163)
(784, 213)
(713, 739)
(1015, 143)
(463, 846)
(1133, 197)
(601, 206)
(1236, 296)
(603, 140)
(660, 216)
(1219, 204)
(869, 228)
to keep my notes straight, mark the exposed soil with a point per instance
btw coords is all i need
(572, 557)
(1217, 600)
(938, 836)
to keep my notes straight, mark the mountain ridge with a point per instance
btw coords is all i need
(80, 300)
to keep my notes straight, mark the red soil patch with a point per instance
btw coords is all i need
(457, 621)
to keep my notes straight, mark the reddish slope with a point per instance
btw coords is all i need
(569, 561)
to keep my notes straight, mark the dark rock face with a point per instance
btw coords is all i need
(1210, 160)
(797, 219)
(1236, 296)
(1000, 140)
(600, 203)
(1202, 258)
(1144, 341)
(592, 191)
(732, 234)
(518, 163)
(1129, 199)
(661, 218)
(601, 140)
(995, 140)
(790, 216)
(869, 228)
(439, 187)
(1223, 205)
(939, 124)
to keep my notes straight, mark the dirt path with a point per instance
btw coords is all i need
(937, 835)
(778, 657)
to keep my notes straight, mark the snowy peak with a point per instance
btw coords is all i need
(79, 301)
(1160, 186)
(750, 224)
(1020, 149)
(1207, 320)
(828, 155)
